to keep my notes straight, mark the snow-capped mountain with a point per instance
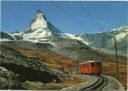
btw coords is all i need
(40, 30)
(73, 36)
(105, 40)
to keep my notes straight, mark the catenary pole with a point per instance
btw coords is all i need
(116, 56)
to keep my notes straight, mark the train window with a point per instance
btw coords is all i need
(92, 64)
(98, 63)
(85, 64)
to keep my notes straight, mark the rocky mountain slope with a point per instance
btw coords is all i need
(5, 36)
(23, 69)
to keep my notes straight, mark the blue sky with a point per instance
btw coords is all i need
(67, 16)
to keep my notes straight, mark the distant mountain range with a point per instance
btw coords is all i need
(105, 40)
(78, 47)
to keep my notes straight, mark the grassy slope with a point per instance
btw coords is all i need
(52, 60)
(109, 67)
(55, 61)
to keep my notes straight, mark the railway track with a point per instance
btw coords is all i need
(98, 85)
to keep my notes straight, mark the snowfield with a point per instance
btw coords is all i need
(4, 40)
(120, 36)
(72, 36)
(39, 22)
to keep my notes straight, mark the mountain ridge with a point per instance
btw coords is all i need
(105, 40)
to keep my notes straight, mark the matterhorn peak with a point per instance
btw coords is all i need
(40, 15)
(39, 21)
(40, 30)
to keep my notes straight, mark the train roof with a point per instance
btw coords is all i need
(83, 63)
(89, 61)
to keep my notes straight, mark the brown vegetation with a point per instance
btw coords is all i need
(110, 68)
(52, 60)
(57, 62)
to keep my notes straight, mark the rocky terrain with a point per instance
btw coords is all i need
(22, 68)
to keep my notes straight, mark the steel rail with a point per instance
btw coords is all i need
(98, 85)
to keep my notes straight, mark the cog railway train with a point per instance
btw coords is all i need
(90, 67)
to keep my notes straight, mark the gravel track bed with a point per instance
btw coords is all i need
(89, 81)
(113, 84)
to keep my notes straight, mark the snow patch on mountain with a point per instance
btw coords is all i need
(38, 34)
(16, 34)
(122, 32)
(123, 28)
(120, 36)
(4, 39)
(72, 36)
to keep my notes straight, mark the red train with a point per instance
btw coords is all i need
(90, 67)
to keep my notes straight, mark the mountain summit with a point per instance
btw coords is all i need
(40, 30)
(39, 22)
